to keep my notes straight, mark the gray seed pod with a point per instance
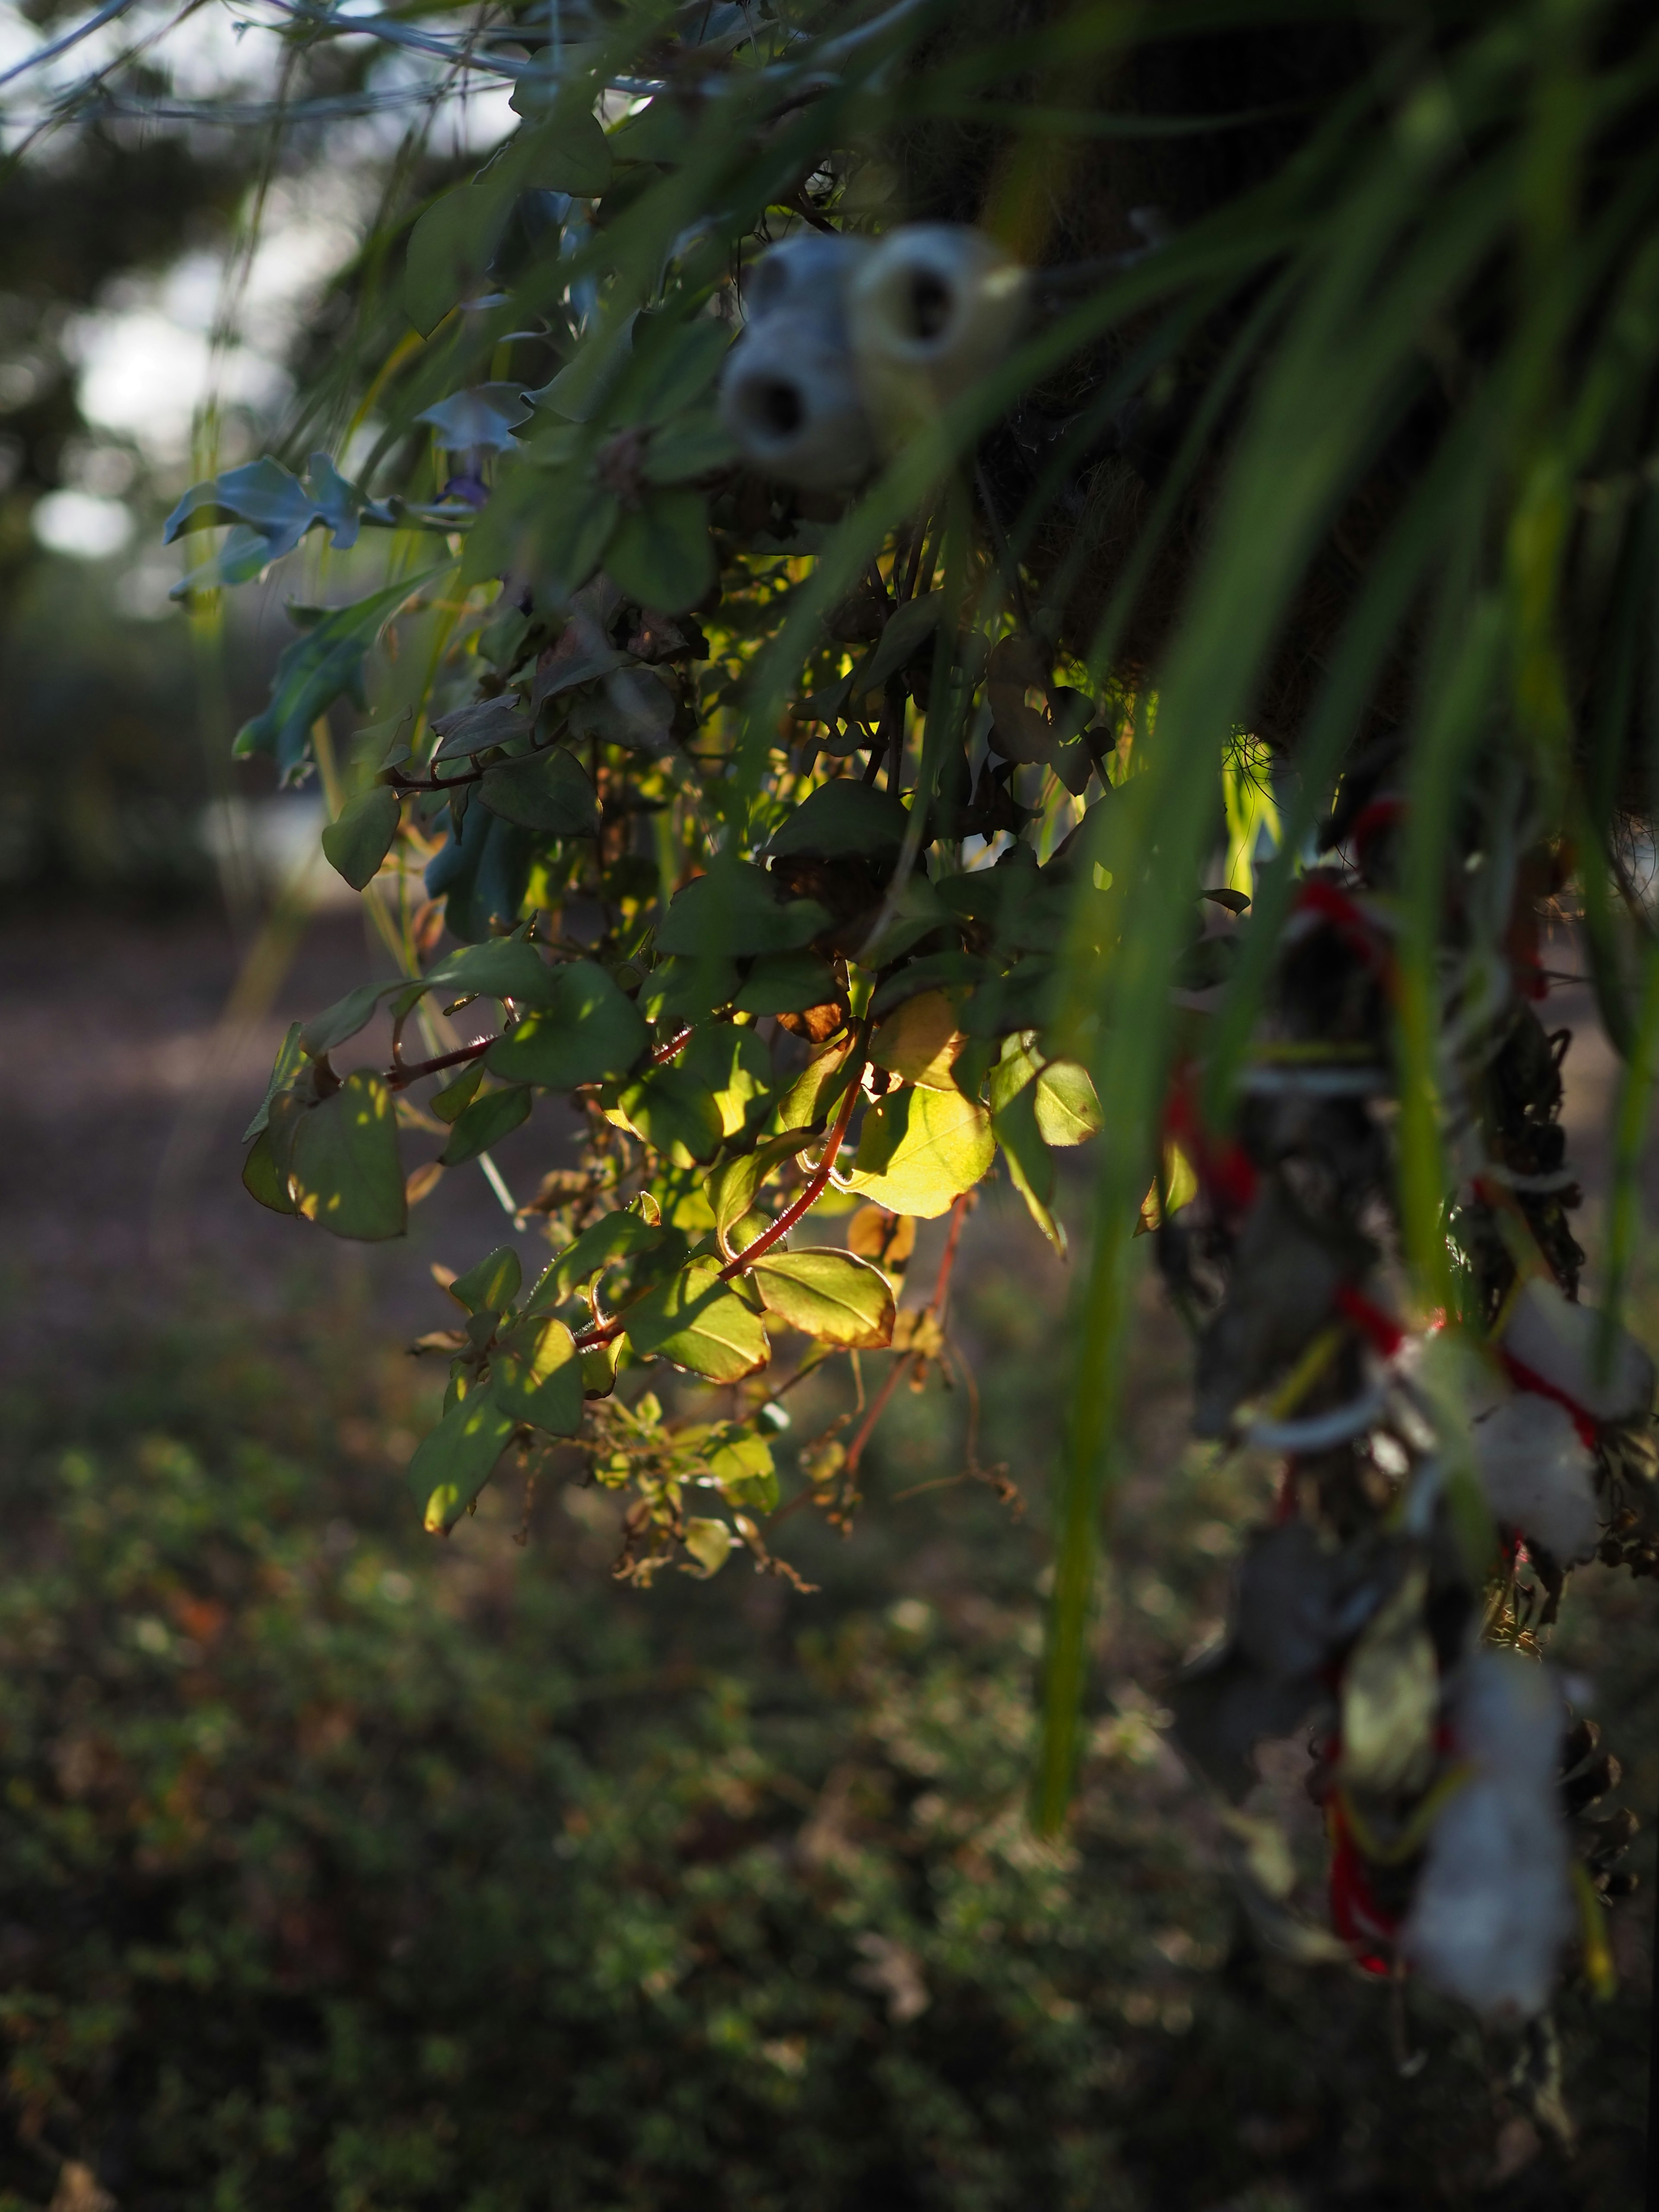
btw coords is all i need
(790, 399)
(931, 308)
(807, 275)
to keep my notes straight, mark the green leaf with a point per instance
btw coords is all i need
(829, 1295)
(585, 1033)
(536, 1373)
(449, 1103)
(816, 1092)
(735, 1184)
(919, 1150)
(290, 1059)
(907, 629)
(500, 968)
(1067, 1111)
(323, 666)
(734, 1064)
(687, 989)
(736, 909)
(355, 844)
(263, 1178)
(694, 444)
(614, 1237)
(845, 817)
(743, 1465)
(699, 1323)
(672, 364)
(452, 1465)
(709, 1543)
(449, 252)
(480, 726)
(492, 1286)
(482, 875)
(492, 1115)
(1031, 1163)
(676, 1115)
(564, 151)
(661, 554)
(785, 983)
(342, 1020)
(341, 1159)
(633, 707)
(548, 790)
(550, 527)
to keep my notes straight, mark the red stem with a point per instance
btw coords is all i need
(818, 1181)
(959, 1213)
(878, 1407)
(399, 1078)
(935, 1306)
(604, 1332)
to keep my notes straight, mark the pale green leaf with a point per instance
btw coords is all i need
(536, 1373)
(453, 1464)
(919, 1150)
(829, 1295)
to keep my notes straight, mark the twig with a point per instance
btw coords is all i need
(959, 1213)
(399, 1076)
(818, 1181)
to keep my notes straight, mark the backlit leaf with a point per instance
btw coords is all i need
(919, 1150)
(699, 1323)
(452, 1465)
(492, 1285)
(536, 1373)
(734, 1062)
(342, 1161)
(742, 1464)
(829, 1295)
(1067, 1111)
(675, 1114)
(613, 1238)
(919, 1041)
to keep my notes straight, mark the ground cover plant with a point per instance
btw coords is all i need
(870, 505)
(343, 1868)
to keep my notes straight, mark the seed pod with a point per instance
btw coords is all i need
(931, 308)
(1539, 1475)
(804, 276)
(789, 399)
(1493, 1907)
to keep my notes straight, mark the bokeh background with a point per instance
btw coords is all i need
(342, 1868)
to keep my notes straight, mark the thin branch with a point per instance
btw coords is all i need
(818, 1181)
(399, 1076)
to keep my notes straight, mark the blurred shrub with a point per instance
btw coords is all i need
(341, 1869)
(338, 1875)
